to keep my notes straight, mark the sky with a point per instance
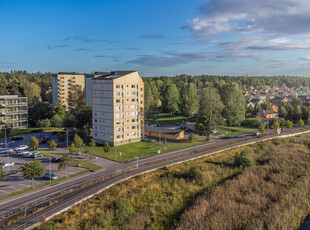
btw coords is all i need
(157, 37)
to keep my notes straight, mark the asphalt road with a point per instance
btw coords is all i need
(145, 165)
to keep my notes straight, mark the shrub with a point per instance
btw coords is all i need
(300, 123)
(103, 220)
(276, 125)
(122, 211)
(288, 124)
(252, 122)
(191, 137)
(195, 174)
(261, 128)
(243, 159)
(106, 147)
(308, 121)
(44, 123)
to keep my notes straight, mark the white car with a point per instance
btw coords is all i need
(28, 154)
(6, 150)
(8, 164)
(21, 147)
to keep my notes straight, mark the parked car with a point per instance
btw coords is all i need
(54, 133)
(36, 155)
(10, 171)
(6, 150)
(49, 176)
(21, 147)
(17, 138)
(56, 159)
(8, 164)
(42, 141)
(39, 136)
(22, 153)
(28, 154)
(258, 133)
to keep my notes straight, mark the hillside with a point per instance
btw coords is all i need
(269, 190)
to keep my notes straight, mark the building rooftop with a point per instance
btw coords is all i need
(8, 96)
(149, 128)
(114, 74)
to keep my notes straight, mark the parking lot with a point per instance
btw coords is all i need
(15, 182)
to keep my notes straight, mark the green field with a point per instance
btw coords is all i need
(139, 149)
(234, 130)
(18, 132)
(168, 119)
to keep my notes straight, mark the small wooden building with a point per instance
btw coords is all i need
(169, 134)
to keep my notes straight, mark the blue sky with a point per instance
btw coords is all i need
(157, 37)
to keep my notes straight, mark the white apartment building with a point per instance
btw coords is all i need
(118, 102)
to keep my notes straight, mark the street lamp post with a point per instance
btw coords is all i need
(160, 139)
(137, 161)
(50, 167)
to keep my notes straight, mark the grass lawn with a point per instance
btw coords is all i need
(139, 149)
(235, 130)
(18, 132)
(168, 119)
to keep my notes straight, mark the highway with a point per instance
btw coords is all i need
(130, 169)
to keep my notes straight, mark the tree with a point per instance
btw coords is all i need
(300, 123)
(72, 148)
(44, 123)
(77, 97)
(189, 100)
(52, 145)
(209, 113)
(83, 117)
(59, 109)
(261, 128)
(288, 124)
(257, 108)
(276, 125)
(78, 142)
(32, 169)
(34, 143)
(305, 113)
(191, 137)
(56, 121)
(65, 160)
(92, 143)
(282, 112)
(308, 121)
(106, 146)
(33, 92)
(172, 99)
(234, 104)
(2, 174)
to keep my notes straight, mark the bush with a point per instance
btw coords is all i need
(261, 128)
(252, 122)
(308, 121)
(44, 123)
(300, 123)
(122, 211)
(276, 125)
(288, 124)
(243, 159)
(106, 147)
(195, 174)
(191, 137)
(103, 220)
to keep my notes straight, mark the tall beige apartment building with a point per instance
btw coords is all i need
(63, 84)
(118, 102)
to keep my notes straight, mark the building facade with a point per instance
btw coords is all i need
(14, 111)
(118, 107)
(63, 84)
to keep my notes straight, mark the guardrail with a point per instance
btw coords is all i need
(123, 174)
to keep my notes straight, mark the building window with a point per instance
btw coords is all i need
(96, 134)
(118, 101)
(118, 129)
(133, 120)
(133, 93)
(118, 115)
(118, 137)
(118, 122)
(133, 100)
(95, 120)
(133, 106)
(132, 86)
(133, 127)
(118, 94)
(118, 86)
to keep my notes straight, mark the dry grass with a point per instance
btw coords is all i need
(270, 195)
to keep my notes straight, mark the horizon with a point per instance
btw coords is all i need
(235, 38)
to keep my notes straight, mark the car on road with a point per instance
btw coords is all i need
(36, 155)
(28, 154)
(16, 138)
(21, 147)
(22, 153)
(10, 171)
(8, 164)
(6, 151)
(56, 159)
(49, 176)
(258, 133)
